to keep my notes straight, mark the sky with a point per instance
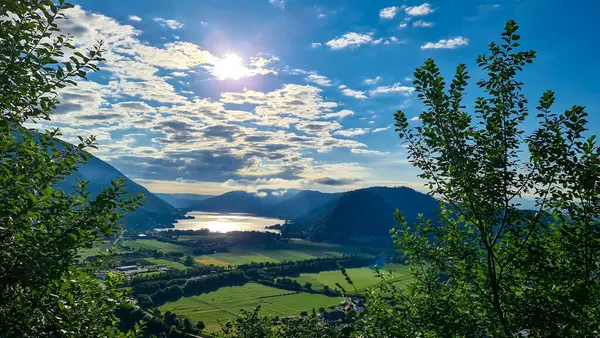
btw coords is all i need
(212, 96)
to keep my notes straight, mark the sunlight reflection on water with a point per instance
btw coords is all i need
(223, 222)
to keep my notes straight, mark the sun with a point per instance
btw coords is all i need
(230, 67)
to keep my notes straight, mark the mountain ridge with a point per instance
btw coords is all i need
(154, 213)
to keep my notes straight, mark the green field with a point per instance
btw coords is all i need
(97, 249)
(151, 244)
(225, 303)
(166, 262)
(295, 250)
(363, 278)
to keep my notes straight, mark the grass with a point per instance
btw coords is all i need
(166, 262)
(151, 244)
(295, 250)
(225, 304)
(363, 278)
(97, 249)
(148, 274)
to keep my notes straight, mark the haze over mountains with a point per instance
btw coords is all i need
(316, 215)
(328, 216)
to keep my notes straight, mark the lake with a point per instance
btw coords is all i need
(225, 222)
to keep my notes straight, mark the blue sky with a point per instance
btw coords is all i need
(212, 96)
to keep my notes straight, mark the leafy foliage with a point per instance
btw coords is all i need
(251, 324)
(488, 268)
(43, 291)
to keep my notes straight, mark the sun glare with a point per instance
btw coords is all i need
(230, 67)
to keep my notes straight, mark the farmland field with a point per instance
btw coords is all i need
(295, 250)
(98, 249)
(151, 244)
(362, 277)
(225, 304)
(166, 262)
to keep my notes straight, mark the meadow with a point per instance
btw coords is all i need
(362, 278)
(225, 304)
(98, 249)
(166, 262)
(294, 250)
(151, 244)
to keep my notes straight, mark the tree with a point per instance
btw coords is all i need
(308, 286)
(490, 269)
(251, 324)
(43, 291)
(200, 325)
(189, 260)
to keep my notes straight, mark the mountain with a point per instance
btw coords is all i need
(340, 217)
(182, 201)
(304, 205)
(155, 213)
(235, 202)
(366, 213)
(286, 204)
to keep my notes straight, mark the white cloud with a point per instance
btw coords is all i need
(135, 18)
(416, 118)
(402, 25)
(420, 10)
(388, 12)
(170, 23)
(378, 130)
(182, 135)
(352, 132)
(279, 192)
(351, 39)
(408, 79)
(421, 23)
(278, 3)
(321, 80)
(315, 44)
(395, 88)
(340, 115)
(354, 93)
(292, 100)
(378, 41)
(368, 152)
(320, 128)
(392, 40)
(373, 81)
(452, 43)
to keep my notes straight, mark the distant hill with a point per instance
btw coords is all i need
(366, 213)
(155, 213)
(328, 216)
(182, 201)
(285, 204)
(235, 202)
